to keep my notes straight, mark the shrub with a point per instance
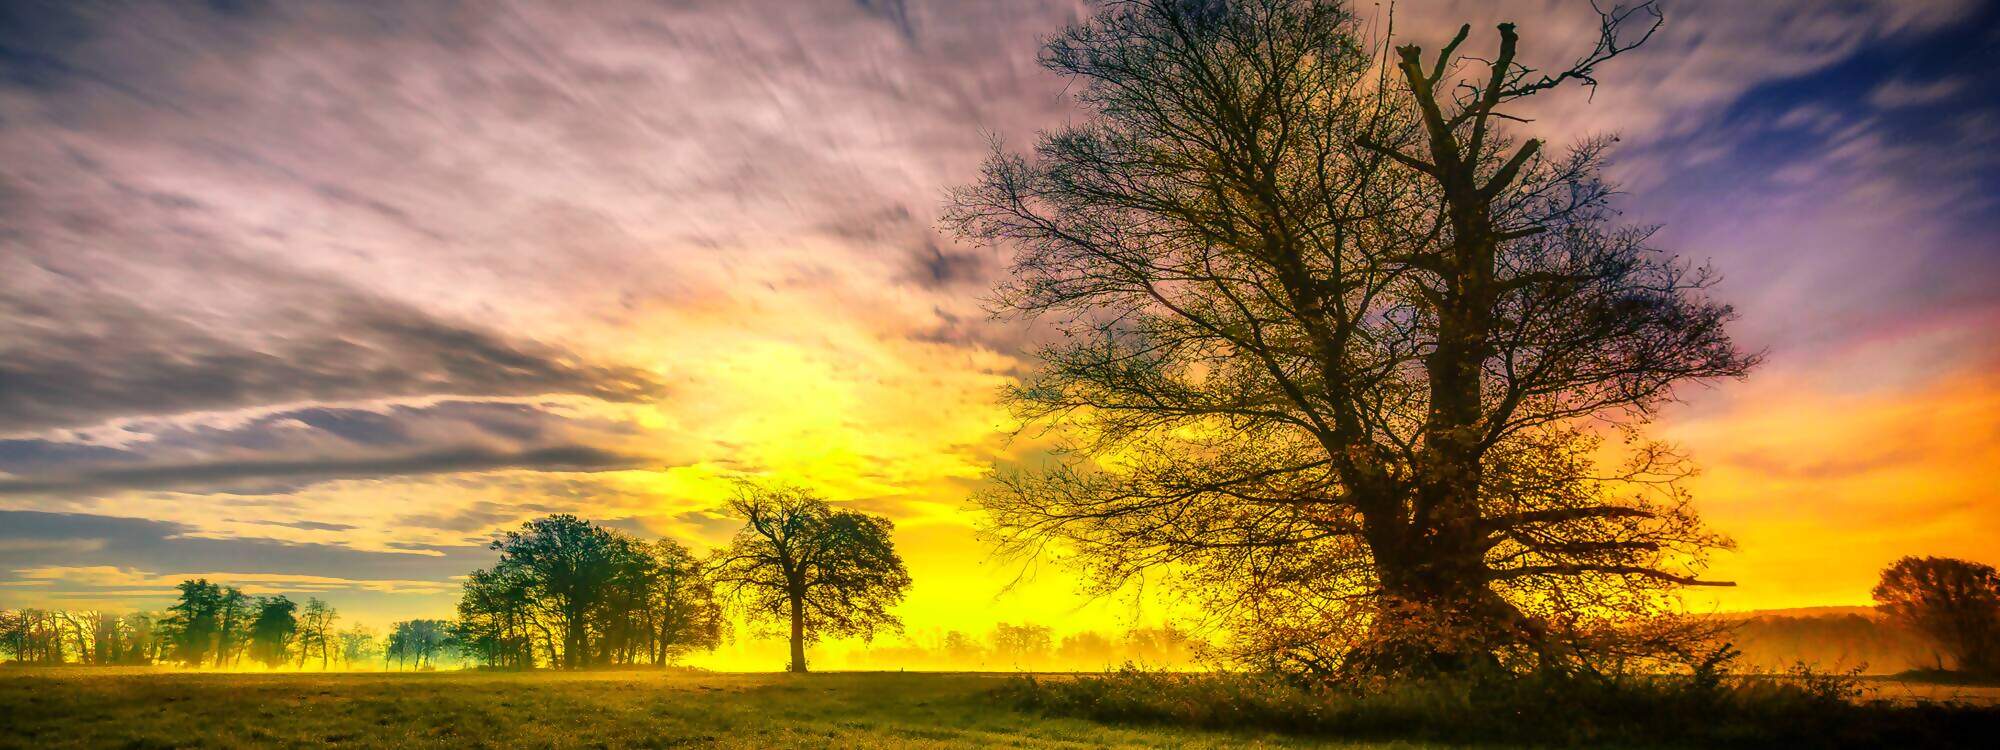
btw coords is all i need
(1799, 708)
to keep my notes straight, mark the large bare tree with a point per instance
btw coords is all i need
(1335, 350)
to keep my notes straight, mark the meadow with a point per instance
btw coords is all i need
(93, 707)
(145, 708)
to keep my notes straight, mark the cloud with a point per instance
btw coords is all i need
(31, 540)
(312, 525)
(73, 353)
(259, 476)
(478, 516)
(30, 455)
(1899, 92)
(285, 450)
(92, 581)
(50, 545)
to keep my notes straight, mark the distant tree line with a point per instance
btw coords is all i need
(564, 587)
(53, 636)
(209, 625)
(565, 593)
(1035, 647)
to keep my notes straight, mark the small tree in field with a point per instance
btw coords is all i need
(316, 635)
(1022, 646)
(358, 646)
(826, 572)
(417, 642)
(1955, 603)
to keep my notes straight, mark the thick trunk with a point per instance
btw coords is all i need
(574, 639)
(798, 634)
(1437, 615)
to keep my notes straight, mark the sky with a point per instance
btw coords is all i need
(317, 297)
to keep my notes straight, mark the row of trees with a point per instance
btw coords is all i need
(568, 593)
(572, 594)
(54, 636)
(210, 625)
(217, 625)
(1035, 647)
(565, 593)
(1951, 605)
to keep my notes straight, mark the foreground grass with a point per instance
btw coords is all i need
(1799, 710)
(133, 708)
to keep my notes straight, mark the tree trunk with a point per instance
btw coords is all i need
(798, 634)
(574, 654)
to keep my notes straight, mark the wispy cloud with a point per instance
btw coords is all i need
(1899, 92)
(339, 286)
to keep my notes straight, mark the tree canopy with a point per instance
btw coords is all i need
(209, 624)
(1955, 603)
(272, 629)
(570, 593)
(1333, 343)
(825, 572)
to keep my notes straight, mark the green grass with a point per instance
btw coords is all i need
(1801, 709)
(135, 708)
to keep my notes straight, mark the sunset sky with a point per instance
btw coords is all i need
(315, 297)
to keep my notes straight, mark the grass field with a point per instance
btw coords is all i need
(119, 708)
(144, 708)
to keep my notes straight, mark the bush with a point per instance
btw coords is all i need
(1800, 708)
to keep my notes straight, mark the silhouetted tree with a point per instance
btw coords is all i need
(32, 636)
(496, 623)
(583, 594)
(358, 646)
(13, 634)
(962, 649)
(139, 637)
(272, 629)
(209, 623)
(566, 566)
(234, 613)
(1022, 646)
(316, 634)
(80, 628)
(673, 606)
(1161, 646)
(826, 572)
(85, 637)
(1086, 648)
(1332, 342)
(418, 642)
(1955, 603)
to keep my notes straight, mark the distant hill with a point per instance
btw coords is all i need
(1836, 638)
